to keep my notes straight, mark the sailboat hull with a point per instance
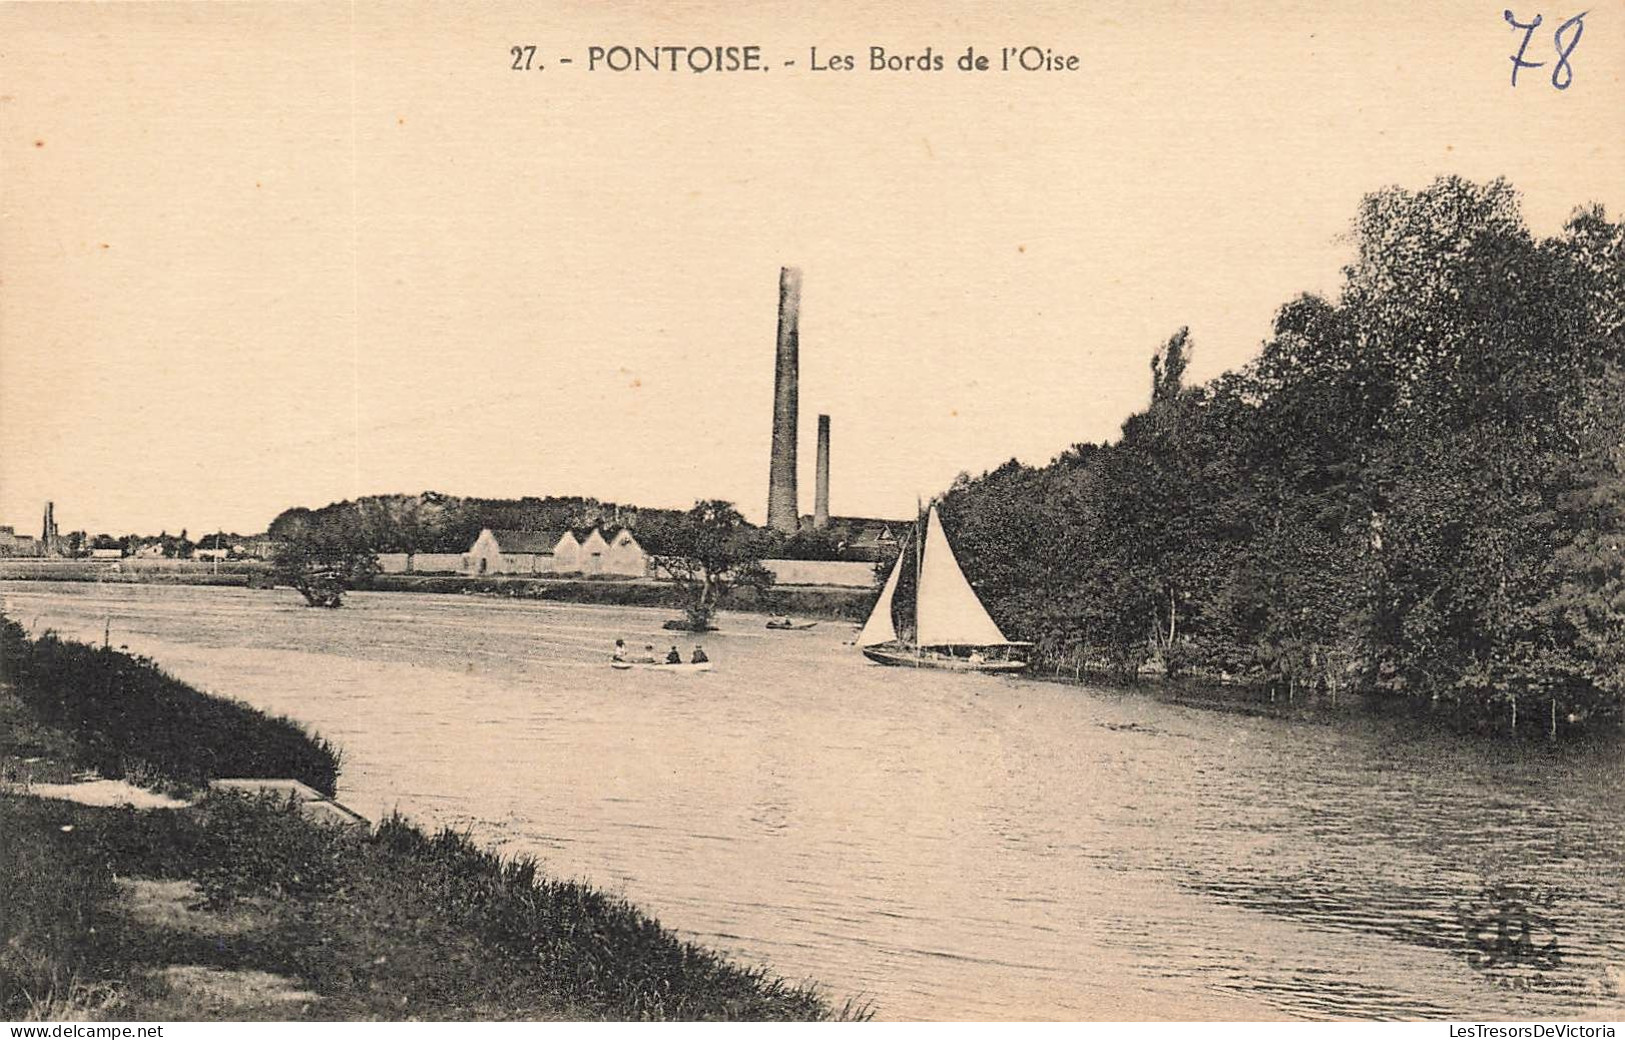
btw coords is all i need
(902, 658)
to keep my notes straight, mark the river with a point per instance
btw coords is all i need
(944, 846)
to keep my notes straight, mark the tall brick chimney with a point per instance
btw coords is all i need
(781, 481)
(821, 496)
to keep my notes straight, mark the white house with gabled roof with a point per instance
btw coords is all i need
(625, 555)
(512, 552)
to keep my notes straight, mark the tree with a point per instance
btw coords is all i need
(1168, 367)
(322, 559)
(1418, 486)
(709, 551)
(811, 544)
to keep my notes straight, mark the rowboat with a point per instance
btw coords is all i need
(675, 669)
(790, 626)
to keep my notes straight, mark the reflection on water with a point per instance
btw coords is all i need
(950, 846)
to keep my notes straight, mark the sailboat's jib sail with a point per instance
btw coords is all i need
(949, 614)
(879, 629)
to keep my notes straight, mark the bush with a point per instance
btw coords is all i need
(51, 884)
(263, 846)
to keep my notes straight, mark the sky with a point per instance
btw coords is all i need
(255, 256)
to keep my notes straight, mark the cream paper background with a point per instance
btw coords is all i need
(260, 255)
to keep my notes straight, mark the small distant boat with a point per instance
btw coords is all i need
(786, 625)
(952, 630)
(647, 666)
(682, 625)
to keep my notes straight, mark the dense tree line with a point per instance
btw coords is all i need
(1417, 488)
(325, 552)
(81, 543)
(433, 522)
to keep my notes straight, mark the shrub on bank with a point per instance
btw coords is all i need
(130, 717)
(263, 846)
(51, 888)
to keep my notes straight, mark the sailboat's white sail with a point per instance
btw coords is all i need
(949, 612)
(879, 628)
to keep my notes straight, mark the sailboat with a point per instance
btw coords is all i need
(952, 629)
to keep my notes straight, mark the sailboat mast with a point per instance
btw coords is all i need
(919, 561)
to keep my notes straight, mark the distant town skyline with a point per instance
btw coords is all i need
(235, 287)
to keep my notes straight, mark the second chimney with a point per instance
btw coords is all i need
(821, 499)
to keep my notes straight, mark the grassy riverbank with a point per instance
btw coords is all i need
(239, 908)
(128, 718)
(134, 571)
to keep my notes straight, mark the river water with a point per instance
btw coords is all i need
(944, 846)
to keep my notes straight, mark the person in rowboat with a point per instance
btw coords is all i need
(699, 656)
(620, 650)
(675, 656)
(648, 654)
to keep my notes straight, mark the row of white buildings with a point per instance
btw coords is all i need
(615, 553)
